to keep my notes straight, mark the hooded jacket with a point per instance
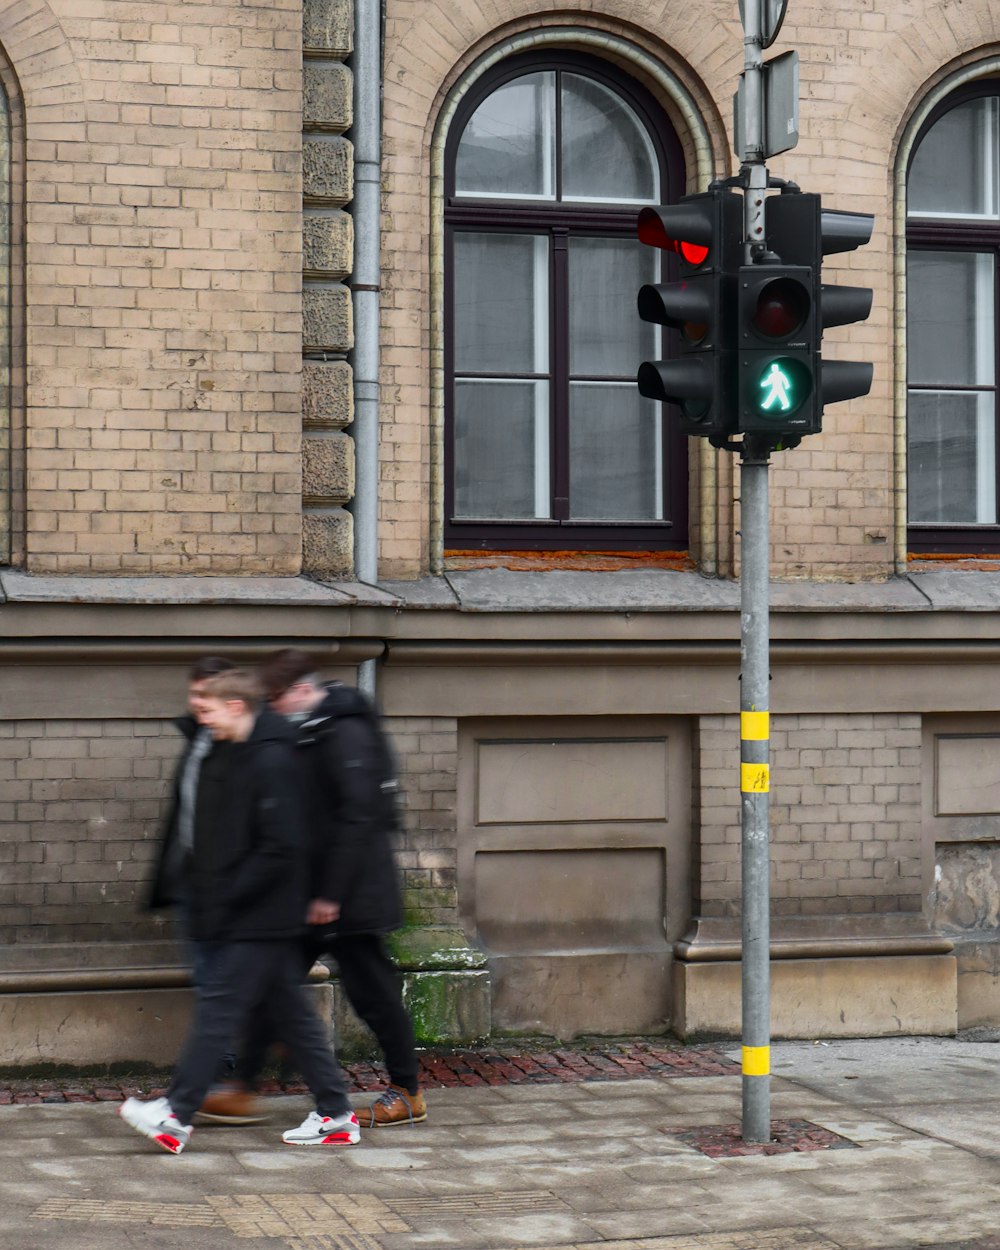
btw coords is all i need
(168, 884)
(249, 855)
(352, 812)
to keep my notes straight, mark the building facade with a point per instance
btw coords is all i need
(320, 331)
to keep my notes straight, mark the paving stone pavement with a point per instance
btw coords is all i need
(566, 1165)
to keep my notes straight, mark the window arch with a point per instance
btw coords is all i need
(953, 296)
(548, 443)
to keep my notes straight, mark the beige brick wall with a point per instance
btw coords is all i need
(163, 217)
(427, 752)
(845, 814)
(80, 810)
(864, 69)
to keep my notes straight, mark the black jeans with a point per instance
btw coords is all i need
(241, 978)
(374, 989)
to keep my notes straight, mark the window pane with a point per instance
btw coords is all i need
(616, 454)
(950, 331)
(606, 335)
(954, 171)
(501, 315)
(606, 152)
(951, 458)
(502, 450)
(508, 145)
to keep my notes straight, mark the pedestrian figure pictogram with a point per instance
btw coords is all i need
(778, 383)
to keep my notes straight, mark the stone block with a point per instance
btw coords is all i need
(328, 170)
(328, 97)
(327, 469)
(327, 394)
(449, 1008)
(328, 27)
(90, 1028)
(881, 996)
(328, 319)
(327, 245)
(327, 543)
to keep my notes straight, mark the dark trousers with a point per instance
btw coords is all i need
(241, 978)
(374, 989)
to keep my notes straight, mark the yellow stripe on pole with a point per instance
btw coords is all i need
(755, 778)
(755, 726)
(756, 1060)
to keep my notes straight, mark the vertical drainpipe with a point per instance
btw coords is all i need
(365, 286)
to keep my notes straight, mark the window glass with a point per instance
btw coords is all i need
(501, 450)
(954, 171)
(606, 152)
(950, 330)
(508, 145)
(951, 458)
(616, 453)
(606, 337)
(501, 315)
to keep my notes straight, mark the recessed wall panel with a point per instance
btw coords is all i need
(571, 781)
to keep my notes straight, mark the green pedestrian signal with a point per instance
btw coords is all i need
(783, 386)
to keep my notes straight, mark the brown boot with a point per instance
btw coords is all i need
(230, 1104)
(395, 1106)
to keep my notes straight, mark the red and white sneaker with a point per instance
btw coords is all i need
(325, 1130)
(156, 1121)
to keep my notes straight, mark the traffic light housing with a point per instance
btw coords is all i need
(801, 232)
(705, 232)
(777, 358)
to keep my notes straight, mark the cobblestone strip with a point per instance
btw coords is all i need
(501, 1065)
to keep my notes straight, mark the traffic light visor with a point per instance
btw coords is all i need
(677, 228)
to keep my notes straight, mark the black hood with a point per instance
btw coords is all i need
(340, 700)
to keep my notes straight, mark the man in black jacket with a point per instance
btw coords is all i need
(248, 898)
(355, 896)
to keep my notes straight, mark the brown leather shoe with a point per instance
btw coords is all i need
(394, 1106)
(232, 1104)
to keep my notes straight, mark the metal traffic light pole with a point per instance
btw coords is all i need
(754, 649)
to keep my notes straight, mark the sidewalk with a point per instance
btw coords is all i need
(883, 1144)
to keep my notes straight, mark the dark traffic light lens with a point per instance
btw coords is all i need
(782, 309)
(694, 331)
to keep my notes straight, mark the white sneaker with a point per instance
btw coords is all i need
(156, 1121)
(325, 1130)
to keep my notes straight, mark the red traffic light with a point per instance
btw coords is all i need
(653, 231)
(782, 308)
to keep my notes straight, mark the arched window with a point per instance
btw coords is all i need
(549, 444)
(953, 247)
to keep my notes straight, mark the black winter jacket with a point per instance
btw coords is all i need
(353, 815)
(167, 886)
(249, 860)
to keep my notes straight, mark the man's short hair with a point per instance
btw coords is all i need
(236, 683)
(209, 666)
(285, 668)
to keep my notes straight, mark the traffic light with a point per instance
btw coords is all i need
(705, 232)
(777, 356)
(801, 232)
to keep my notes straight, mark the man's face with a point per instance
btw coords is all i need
(224, 717)
(197, 700)
(296, 699)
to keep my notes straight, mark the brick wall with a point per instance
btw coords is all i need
(427, 754)
(80, 810)
(163, 218)
(845, 814)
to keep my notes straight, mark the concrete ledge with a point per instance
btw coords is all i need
(90, 1028)
(888, 996)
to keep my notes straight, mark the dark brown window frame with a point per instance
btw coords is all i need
(960, 236)
(560, 221)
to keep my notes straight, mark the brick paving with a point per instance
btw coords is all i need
(499, 1065)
